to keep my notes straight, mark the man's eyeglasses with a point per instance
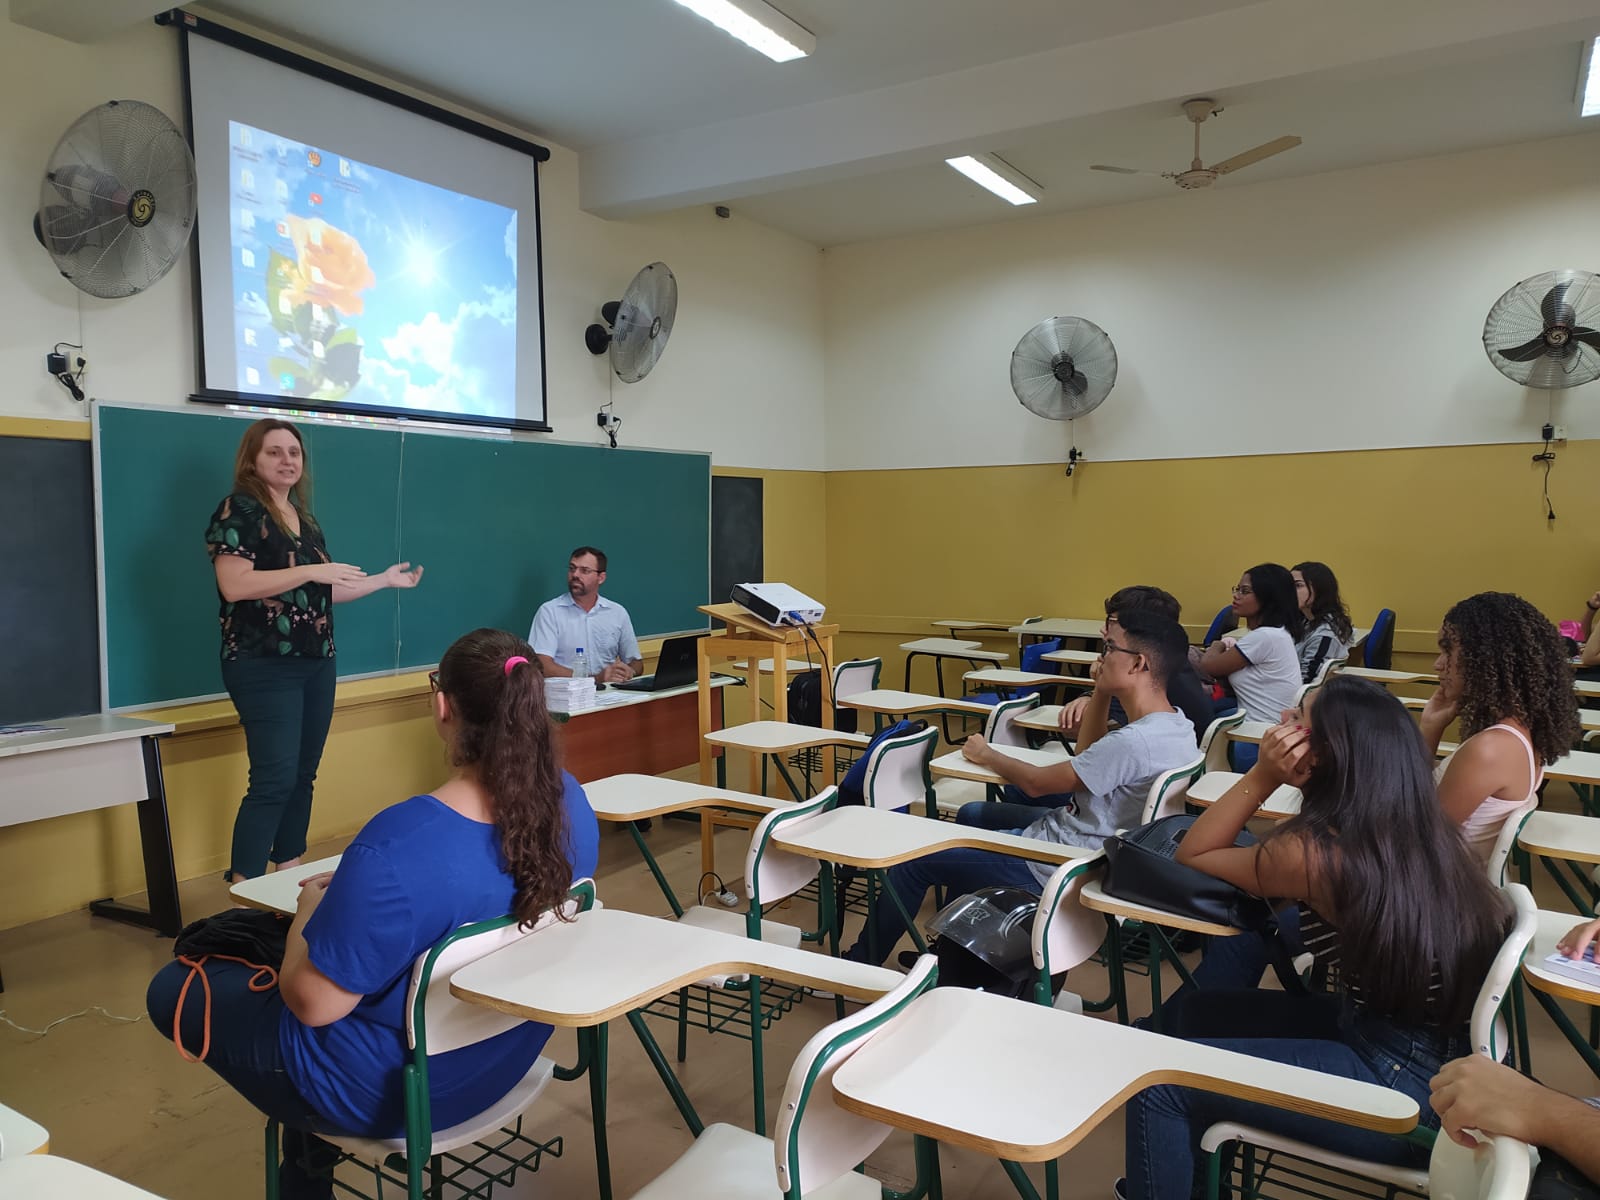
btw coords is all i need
(1112, 648)
(574, 569)
(433, 681)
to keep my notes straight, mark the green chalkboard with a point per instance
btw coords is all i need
(491, 519)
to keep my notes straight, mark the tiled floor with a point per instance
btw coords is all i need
(117, 1096)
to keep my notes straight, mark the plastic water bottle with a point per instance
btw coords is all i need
(580, 665)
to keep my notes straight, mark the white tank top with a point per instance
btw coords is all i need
(1481, 829)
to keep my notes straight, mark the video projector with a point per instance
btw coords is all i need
(778, 603)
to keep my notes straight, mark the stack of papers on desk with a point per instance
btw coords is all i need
(569, 695)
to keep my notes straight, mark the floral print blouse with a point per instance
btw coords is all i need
(297, 622)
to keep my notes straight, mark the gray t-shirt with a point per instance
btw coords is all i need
(1271, 680)
(1116, 773)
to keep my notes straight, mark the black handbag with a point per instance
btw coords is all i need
(247, 936)
(1141, 867)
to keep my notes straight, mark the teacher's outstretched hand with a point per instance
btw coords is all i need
(276, 588)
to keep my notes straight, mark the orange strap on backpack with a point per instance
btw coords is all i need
(265, 979)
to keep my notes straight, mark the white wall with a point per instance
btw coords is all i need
(1338, 311)
(747, 343)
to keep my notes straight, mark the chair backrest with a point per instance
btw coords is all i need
(857, 675)
(1487, 1029)
(436, 1021)
(1317, 679)
(1214, 742)
(1000, 729)
(1377, 652)
(1220, 624)
(1065, 933)
(815, 1141)
(1032, 658)
(1500, 853)
(1499, 1169)
(1026, 621)
(897, 771)
(771, 874)
(1168, 790)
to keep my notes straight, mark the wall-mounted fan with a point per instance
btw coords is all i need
(1063, 369)
(1545, 331)
(1199, 175)
(117, 205)
(640, 323)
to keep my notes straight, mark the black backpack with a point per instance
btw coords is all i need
(805, 704)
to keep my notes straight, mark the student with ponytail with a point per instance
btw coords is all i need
(508, 832)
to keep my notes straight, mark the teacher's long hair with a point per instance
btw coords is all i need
(504, 733)
(247, 481)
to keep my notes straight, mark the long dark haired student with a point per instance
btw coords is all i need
(1261, 664)
(1328, 633)
(508, 832)
(276, 588)
(1503, 673)
(1389, 894)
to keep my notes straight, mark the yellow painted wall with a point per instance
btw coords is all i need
(381, 748)
(1413, 530)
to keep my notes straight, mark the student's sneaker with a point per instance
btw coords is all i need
(1119, 1189)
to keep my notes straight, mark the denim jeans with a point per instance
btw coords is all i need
(1017, 811)
(285, 705)
(960, 870)
(1236, 963)
(244, 1052)
(1164, 1124)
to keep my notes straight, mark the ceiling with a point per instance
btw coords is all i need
(847, 145)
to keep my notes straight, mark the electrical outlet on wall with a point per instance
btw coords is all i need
(1558, 433)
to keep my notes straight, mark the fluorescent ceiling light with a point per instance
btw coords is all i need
(999, 176)
(1589, 81)
(757, 25)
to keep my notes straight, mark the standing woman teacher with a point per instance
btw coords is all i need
(277, 588)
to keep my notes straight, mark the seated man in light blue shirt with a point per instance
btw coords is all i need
(582, 619)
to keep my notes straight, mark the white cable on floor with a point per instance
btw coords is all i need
(110, 1016)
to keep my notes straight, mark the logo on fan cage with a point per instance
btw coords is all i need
(142, 208)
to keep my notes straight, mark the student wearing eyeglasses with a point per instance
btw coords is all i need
(1108, 779)
(584, 619)
(1261, 665)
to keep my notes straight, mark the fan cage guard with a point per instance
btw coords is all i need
(1545, 331)
(116, 206)
(1063, 368)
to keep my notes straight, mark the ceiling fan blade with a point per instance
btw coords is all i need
(1265, 150)
(1121, 170)
(1526, 352)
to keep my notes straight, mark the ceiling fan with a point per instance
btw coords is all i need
(1199, 175)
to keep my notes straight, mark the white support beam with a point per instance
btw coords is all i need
(988, 106)
(83, 20)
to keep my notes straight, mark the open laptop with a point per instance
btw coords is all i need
(677, 667)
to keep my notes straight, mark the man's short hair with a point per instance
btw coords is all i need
(1143, 596)
(599, 556)
(1159, 638)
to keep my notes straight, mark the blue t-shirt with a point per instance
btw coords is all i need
(416, 871)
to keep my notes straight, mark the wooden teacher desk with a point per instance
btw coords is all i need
(641, 733)
(84, 763)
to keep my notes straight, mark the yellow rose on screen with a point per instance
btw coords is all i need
(332, 267)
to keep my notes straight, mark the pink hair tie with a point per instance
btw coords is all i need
(514, 660)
